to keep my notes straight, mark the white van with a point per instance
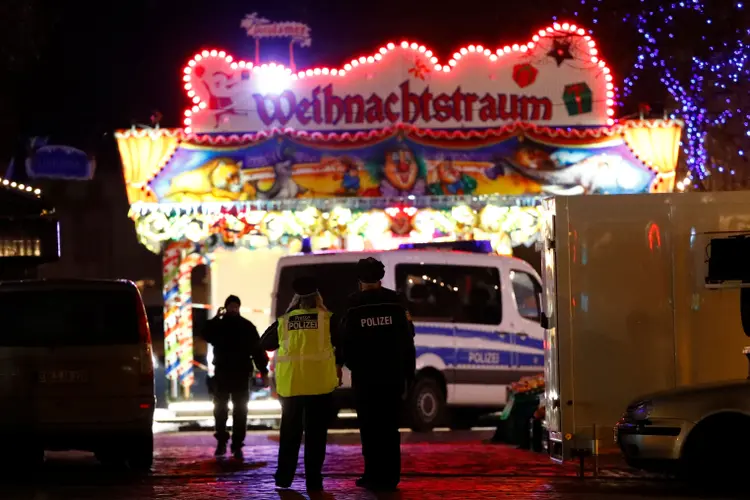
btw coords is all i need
(477, 321)
(76, 371)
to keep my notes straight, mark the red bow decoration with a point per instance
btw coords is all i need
(419, 70)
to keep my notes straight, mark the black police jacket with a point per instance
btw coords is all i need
(378, 339)
(236, 346)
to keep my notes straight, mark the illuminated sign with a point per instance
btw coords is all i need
(323, 106)
(60, 162)
(258, 27)
(556, 79)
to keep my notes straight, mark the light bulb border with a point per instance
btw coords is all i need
(554, 29)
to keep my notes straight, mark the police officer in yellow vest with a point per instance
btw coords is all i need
(308, 369)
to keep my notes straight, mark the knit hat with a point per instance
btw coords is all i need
(370, 270)
(232, 299)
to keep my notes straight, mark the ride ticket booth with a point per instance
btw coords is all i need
(395, 146)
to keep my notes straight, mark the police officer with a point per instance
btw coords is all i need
(378, 339)
(308, 369)
(236, 345)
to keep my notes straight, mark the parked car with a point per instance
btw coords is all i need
(696, 432)
(76, 371)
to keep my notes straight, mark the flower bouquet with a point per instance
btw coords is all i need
(531, 386)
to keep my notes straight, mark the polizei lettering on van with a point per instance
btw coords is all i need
(377, 321)
(302, 322)
(484, 358)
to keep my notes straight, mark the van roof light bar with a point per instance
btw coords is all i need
(470, 246)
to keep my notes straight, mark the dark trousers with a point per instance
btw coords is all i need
(310, 414)
(379, 413)
(239, 397)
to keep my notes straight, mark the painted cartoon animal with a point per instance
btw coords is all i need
(602, 174)
(224, 91)
(284, 186)
(216, 180)
(348, 174)
(451, 181)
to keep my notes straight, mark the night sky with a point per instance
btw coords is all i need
(103, 65)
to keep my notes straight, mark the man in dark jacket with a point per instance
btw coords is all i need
(236, 346)
(378, 340)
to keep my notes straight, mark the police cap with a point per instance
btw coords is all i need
(304, 285)
(370, 270)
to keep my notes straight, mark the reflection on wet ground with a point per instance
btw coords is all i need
(457, 465)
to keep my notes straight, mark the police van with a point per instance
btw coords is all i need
(476, 317)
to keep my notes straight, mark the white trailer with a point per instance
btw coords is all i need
(628, 309)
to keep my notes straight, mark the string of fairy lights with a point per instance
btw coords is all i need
(9, 184)
(710, 91)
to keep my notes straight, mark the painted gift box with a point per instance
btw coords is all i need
(524, 74)
(577, 98)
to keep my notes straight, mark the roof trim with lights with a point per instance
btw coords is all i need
(9, 184)
(343, 137)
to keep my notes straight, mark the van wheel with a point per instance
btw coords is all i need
(140, 454)
(425, 405)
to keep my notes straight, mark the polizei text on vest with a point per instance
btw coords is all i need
(303, 322)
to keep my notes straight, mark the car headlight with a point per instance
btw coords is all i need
(641, 410)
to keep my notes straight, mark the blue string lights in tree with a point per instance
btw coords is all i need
(708, 76)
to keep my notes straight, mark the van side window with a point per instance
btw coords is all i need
(527, 293)
(430, 291)
(445, 293)
(480, 295)
(336, 281)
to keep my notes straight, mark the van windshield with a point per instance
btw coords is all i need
(68, 317)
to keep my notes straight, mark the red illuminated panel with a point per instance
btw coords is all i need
(556, 30)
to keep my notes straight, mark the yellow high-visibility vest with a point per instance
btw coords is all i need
(305, 362)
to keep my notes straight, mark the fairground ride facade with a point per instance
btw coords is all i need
(393, 147)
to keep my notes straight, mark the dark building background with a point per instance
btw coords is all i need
(97, 238)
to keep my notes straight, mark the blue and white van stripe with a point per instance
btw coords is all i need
(480, 357)
(468, 334)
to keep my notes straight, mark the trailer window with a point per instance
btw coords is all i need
(446, 294)
(527, 293)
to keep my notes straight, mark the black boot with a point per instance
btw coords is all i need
(221, 449)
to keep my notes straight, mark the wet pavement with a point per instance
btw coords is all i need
(444, 465)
